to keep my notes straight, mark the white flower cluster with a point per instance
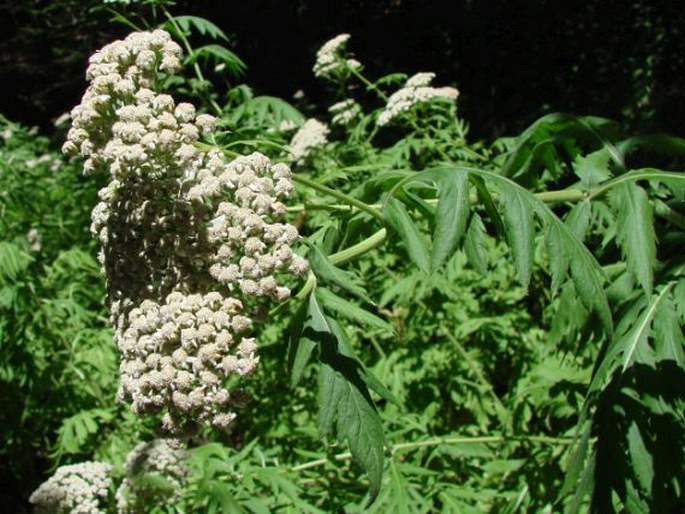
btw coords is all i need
(312, 134)
(330, 58)
(75, 489)
(345, 112)
(159, 458)
(416, 90)
(191, 245)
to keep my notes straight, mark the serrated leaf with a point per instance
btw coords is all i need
(668, 334)
(220, 54)
(203, 26)
(638, 336)
(324, 269)
(399, 487)
(268, 111)
(558, 128)
(474, 244)
(417, 246)
(13, 261)
(576, 462)
(300, 347)
(485, 198)
(345, 400)
(338, 304)
(558, 257)
(635, 231)
(451, 215)
(518, 203)
(518, 220)
(585, 486)
(593, 168)
(679, 299)
(641, 459)
(578, 219)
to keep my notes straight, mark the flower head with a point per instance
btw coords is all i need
(311, 135)
(417, 90)
(77, 488)
(183, 234)
(331, 59)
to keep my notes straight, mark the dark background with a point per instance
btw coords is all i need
(511, 60)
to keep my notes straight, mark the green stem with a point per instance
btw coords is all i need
(340, 196)
(360, 248)
(437, 441)
(344, 256)
(641, 174)
(370, 85)
(565, 195)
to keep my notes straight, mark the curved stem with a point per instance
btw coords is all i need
(370, 85)
(344, 256)
(196, 67)
(340, 196)
(436, 441)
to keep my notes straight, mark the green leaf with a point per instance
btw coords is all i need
(265, 111)
(474, 244)
(585, 487)
(344, 400)
(220, 54)
(578, 219)
(593, 168)
(417, 246)
(635, 231)
(399, 488)
(338, 304)
(641, 459)
(485, 198)
(325, 270)
(668, 334)
(518, 220)
(203, 26)
(558, 257)
(630, 341)
(299, 348)
(451, 215)
(679, 297)
(558, 128)
(638, 336)
(13, 261)
(576, 462)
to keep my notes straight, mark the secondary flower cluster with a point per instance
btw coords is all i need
(345, 112)
(330, 58)
(416, 90)
(193, 247)
(75, 489)
(160, 459)
(312, 134)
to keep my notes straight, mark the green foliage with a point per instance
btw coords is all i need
(485, 328)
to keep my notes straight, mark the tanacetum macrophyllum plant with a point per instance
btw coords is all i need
(490, 327)
(192, 245)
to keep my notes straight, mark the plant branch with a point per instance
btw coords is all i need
(437, 441)
(340, 196)
(196, 66)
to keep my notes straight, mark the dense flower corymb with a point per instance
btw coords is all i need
(344, 112)
(311, 135)
(75, 489)
(193, 246)
(157, 459)
(416, 90)
(330, 58)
